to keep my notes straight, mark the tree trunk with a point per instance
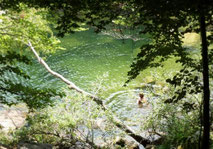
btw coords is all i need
(206, 91)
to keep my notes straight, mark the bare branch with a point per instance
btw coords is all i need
(69, 83)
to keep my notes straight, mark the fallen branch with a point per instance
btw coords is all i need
(99, 101)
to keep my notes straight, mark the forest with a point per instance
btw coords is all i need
(106, 74)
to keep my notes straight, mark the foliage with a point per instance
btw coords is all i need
(69, 121)
(177, 125)
(165, 21)
(14, 87)
(17, 28)
(74, 13)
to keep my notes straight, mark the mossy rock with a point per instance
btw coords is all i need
(149, 80)
(191, 40)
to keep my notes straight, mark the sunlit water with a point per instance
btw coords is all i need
(89, 58)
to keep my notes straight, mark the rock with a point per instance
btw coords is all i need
(130, 144)
(11, 118)
(100, 123)
(34, 146)
(80, 145)
(2, 147)
(119, 141)
(150, 80)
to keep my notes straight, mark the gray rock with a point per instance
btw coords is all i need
(34, 146)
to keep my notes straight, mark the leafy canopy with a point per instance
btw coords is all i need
(17, 28)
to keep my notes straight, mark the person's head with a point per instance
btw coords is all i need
(141, 95)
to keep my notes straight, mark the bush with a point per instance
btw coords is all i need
(70, 121)
(177, 125)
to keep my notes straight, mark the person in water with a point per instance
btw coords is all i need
(141, 101)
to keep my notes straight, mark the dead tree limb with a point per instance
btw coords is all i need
(70, 84)
(99, 101)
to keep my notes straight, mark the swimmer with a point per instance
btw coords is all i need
(141, 101)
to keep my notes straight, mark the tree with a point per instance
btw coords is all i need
(165, 21)
(16, 30)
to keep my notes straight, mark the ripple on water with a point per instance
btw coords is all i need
(124, 104)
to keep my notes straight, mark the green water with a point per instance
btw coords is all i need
(89, 59)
